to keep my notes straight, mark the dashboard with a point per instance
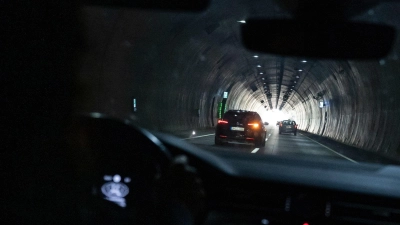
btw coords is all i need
(135, 175)
(247, 189)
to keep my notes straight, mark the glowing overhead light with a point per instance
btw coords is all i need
(297, 77)
(262, 78)
(194, 132)
(300, 70)
(256, 56)
(261, 73)
(304, 61)
(258, 66)
(241, 21)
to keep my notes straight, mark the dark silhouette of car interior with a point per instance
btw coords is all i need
(115, 172)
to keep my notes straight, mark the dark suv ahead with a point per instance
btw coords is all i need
(288, 126)
(241, 127)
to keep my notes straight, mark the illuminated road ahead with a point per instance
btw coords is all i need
(303, 144)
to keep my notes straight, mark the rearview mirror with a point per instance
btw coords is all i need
(313, 39)
(175, 5)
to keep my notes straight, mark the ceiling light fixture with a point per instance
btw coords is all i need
(241, 21)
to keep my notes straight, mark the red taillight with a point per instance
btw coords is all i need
(222, 136)
(254, 125)
(222, 122)
(251, 139)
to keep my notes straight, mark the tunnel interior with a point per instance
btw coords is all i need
(177, 66)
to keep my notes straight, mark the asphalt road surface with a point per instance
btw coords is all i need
(284, 144)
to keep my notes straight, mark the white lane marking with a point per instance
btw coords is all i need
(199, 136)
(255, 150)
(331, 149)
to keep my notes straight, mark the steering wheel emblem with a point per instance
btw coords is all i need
(115, 190)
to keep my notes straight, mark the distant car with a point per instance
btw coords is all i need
(288, 126)
(239, 126)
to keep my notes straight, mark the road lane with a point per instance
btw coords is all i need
(276, 144)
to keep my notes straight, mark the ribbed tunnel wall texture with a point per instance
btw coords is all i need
(178, 66)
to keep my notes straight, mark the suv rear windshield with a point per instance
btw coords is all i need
(288, 122)
(239, 116)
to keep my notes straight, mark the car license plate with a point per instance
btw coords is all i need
(288, 126)
(237, 128)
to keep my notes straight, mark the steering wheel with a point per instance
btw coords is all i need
(118, 165)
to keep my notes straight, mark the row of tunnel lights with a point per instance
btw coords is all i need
(287, 93)
(267, 92)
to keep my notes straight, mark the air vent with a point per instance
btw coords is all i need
(364, 214)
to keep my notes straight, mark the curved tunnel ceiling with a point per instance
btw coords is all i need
(177, 66)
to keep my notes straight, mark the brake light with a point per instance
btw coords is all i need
(222, 122)
(223, 136)
(254, 125)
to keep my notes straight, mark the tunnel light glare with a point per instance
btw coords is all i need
(256, 56)
(241, 21)
(275, 115)
(297, 77)
(300, 70)
(262, 78)
(258, 66)
(304, 61)
(261, 73)
(194, 133)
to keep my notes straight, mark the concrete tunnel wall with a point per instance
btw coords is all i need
(122, 62)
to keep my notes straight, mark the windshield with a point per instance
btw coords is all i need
(179, 72)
